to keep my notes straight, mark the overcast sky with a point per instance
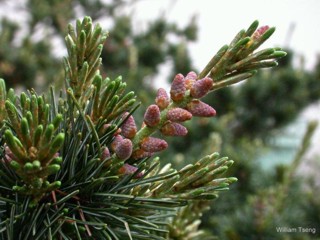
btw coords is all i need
(219, 21)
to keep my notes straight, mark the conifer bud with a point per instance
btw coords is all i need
(56, 160)
(178, 88)
(201, 87)
(152, 116)
(52, 169)
(15, 165)
(104, 128)
(178, 115)
(152, 144)
(105, 153)
(139, 154)
(174, 129)
(192, 75)
(56, 143)
(127, 169)
(124, 149)
(117, 139)
(128, 128)
(162, 99)
(190, 79)
(259, 32)
(8, 153)
(117, 132)
(200, 109)
(32, 151)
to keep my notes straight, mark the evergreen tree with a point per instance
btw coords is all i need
(76, 166)
(248, 114)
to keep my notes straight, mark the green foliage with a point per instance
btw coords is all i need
(31, 63)
(32, 143)
(188, 228)
(77, 167)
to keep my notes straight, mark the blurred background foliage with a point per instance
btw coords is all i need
(250, 114)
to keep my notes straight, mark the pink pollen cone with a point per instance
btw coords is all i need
(152, 116)
(178, 88)
(200, 109)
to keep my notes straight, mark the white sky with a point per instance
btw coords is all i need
(219, 21)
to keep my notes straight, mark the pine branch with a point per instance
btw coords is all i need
(84, 46)
(78, 167)
(32, 144)
(185, 225)
(238, 58)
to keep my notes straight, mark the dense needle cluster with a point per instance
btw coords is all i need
(74, 164)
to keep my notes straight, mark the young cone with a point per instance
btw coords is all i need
(105, 153)
(129, 128)
(127, 169)
(162, 100)
(152, 144)
(190, 79)
(116, 141)
(124, 149)
(152, 116)
(178, 115)
(174, 129)
(178, 88)
(201, 87)
(200, 109)
(139, 154)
